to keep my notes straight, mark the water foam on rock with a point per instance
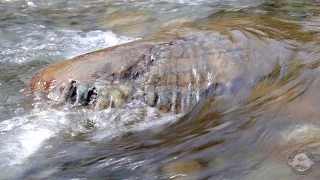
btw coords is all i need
(40, 43)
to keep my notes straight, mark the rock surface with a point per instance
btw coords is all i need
(171, 71)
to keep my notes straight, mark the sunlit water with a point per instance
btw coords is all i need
(244, 137)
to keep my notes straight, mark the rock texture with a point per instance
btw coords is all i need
(171, 71)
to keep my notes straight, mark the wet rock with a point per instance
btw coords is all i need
(170, 71)
(110, 97)
(150, 98)
(126, 90)
(103, 101)
(182, 167)
(82, 94)
(116, 98)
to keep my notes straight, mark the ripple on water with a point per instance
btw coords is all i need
(74, 140)
(23, 137)
(30, 42)
(22, 134)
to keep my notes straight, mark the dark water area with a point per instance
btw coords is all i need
(248, 134)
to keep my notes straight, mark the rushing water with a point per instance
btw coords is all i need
(249, 139)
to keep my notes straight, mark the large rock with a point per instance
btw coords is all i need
(171, 71)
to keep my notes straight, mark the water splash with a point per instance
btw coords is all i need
(31, 42)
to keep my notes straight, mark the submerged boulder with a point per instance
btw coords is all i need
(172, 70)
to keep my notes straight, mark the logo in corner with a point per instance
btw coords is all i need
(301, 161)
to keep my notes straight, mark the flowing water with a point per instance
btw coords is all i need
(225, 139)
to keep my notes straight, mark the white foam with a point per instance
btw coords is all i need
(21, 137)
(133, 117)
(39, 43)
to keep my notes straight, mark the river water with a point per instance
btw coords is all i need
(248, 140)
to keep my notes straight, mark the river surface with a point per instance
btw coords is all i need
(250, 139)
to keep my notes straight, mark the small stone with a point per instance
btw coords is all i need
(105, 92)
(117, 98)
(150, 98)
(182, 167)
(82, 93)
(126, 90)
(177, 109)
(102, 103)
(165, 108)
(164, 97)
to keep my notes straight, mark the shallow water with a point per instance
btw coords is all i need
(244, 136)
